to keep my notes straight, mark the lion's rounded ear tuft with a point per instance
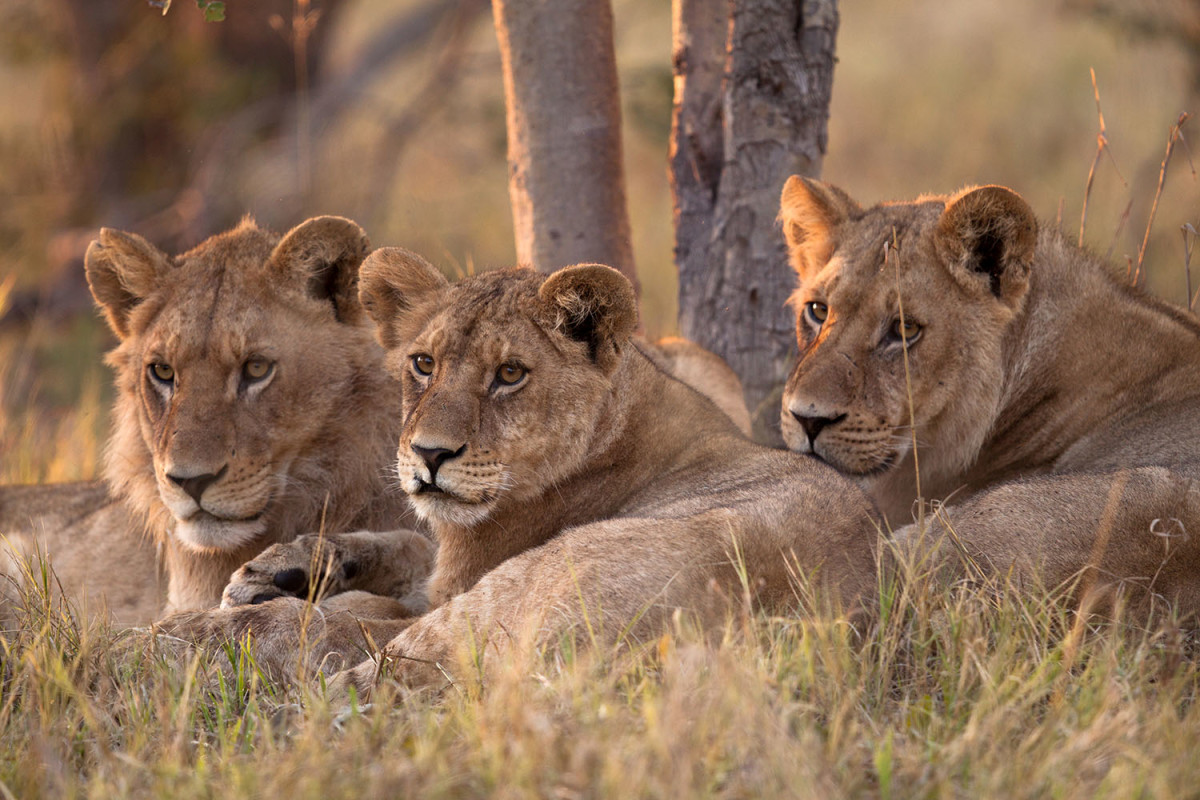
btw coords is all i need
(989, 234)
(392, 280)
(322, 255)
(122, 269)
(593, 304)
(810, 211)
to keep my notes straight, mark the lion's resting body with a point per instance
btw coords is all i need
(1056, 409)
(79, 527)
(252, 407)
(572, 483)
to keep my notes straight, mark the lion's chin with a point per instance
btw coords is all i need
(446, 509)
(860, 469)
(204, 532)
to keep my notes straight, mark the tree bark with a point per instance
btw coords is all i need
(566, 174)
(777, 76)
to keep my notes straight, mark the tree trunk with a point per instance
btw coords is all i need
(773, 96)
(566, 178)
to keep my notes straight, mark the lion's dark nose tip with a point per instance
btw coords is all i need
(814, 425)
(434, 457)
(195, 485)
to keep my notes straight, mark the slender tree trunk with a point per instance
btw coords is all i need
(777, 74)
(566, 174)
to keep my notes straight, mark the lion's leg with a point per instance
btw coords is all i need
(290, 638)
(391, 564)
(1136, 530)
(618, 583)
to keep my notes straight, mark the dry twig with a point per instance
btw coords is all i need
(1175, 136)
(1101, 147)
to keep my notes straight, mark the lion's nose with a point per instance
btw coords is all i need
(434, 457)
(195, 485)
(814, 425)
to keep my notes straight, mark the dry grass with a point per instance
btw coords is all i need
(960, 691)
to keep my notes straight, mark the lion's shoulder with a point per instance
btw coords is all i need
(704, 371)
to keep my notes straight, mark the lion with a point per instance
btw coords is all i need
(252, 406)
(954, 350)
(571, 482)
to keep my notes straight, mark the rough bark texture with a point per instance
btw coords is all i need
(776, 74)
(566, 178)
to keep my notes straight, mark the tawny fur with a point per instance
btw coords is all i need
(592, 498)
(1055, 408)
(304, 449)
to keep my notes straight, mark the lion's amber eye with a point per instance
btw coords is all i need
(423, 364)
(163, 373)
(907, 331)
(510, 374)
(256, 369)
(817, 312)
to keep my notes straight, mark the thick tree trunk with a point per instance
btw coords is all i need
(774, 106)
(566, 179)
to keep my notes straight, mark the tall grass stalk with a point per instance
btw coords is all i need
(964, 690)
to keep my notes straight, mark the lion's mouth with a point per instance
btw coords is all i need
(861, 469)
(206, 532)
(208, 516)
(439, 505)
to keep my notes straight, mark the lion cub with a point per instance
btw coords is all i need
(571, 482)
(1055, 409)
(252, 407)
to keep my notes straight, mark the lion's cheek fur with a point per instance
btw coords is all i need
(572, 411)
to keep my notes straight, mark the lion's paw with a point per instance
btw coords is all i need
(312, 566)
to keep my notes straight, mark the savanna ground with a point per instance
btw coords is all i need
(957, 691)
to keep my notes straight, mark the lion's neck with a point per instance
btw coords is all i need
(619, 469)
(1087, 355)
(195, 580)
(1084, 356)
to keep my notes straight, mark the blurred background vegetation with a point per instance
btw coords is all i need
(391, 112)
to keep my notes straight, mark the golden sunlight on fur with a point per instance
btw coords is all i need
(1053, 409)
(576, 488)
(252, 406)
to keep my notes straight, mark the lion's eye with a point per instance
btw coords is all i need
(906, 331)
(163, 373)
(816, 312)
(510, 374)
(257, 369)
(423, 364)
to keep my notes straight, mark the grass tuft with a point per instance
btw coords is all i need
(973, 689)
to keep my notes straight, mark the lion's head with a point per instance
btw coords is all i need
(506, 378)
(900, 317)
(244, 371)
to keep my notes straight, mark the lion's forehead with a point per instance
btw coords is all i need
(490, 324)
(492, 340)
(194, 324)
(199, 320)
(884, 258)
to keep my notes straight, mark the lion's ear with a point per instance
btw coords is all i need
(988, 236)
(391, 282)
(323, 254)
(122, 269)
(810, 210)
(593, 304)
